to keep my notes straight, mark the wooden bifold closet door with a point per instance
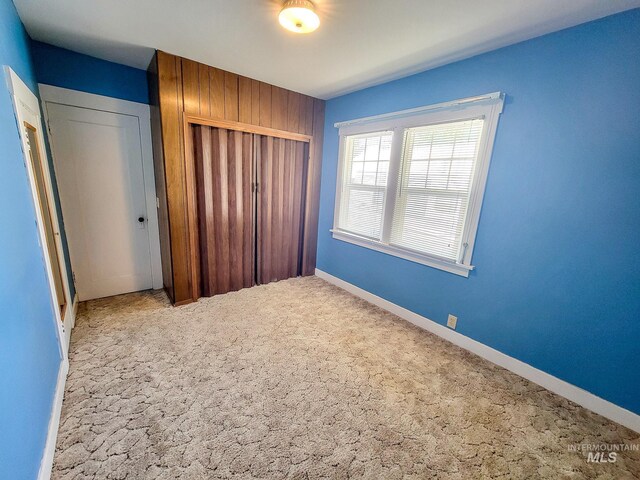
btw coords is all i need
(224, 177)
(251, 192)
(282, 177)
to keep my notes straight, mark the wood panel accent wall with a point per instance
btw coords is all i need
(182, 88)
(160, 179)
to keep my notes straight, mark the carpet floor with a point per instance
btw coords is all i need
(299, 379)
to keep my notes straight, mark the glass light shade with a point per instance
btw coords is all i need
(299, 16)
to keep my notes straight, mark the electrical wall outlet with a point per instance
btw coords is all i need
(452, 321)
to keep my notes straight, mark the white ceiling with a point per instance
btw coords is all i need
(359, 42)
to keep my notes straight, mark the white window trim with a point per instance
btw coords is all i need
(489, 107)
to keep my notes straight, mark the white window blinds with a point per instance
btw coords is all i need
(411, 183)
(364, 183)
(434, 187)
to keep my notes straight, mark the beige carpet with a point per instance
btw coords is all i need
(299, 379)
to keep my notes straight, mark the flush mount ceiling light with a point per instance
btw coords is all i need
(299, 16)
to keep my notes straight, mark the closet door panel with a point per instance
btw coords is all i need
(205, 195)
(248, 208)
(264, 160)
(221, 278)
(225, 212)
(286, 208)
(277, 189)
(236, 210)
(282, 174)
(298, 182)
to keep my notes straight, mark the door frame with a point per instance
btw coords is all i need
(25, 103)
(73, 98)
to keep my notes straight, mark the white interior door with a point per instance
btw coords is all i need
(99, 169)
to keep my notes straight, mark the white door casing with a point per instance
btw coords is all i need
(27, 110)
(104, 169)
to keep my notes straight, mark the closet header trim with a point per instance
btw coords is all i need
(245, 127)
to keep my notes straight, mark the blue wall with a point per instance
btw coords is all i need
(557, 283)
(29, 354)
(64, 68)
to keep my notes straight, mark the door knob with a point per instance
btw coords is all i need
(141, 219)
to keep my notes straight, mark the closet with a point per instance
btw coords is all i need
(250, 200)
(237, 171)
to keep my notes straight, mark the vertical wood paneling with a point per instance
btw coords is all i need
(203, 74)
(191, 211)
(230, 96)
(160, 177)
(186, 86)
(255, 102)
(306, 115)
(244, 100)
(216, 92)
(191, 86)
(186, 288)
(279, 108)
(293, 112)
(265, 104)
(171, 108)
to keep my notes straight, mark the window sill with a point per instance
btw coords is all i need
(447, 266)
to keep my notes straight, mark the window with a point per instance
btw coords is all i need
(365, 185)
(411, 183)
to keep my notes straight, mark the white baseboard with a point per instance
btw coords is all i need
(54, 423)
(571, 392)
(76, 301)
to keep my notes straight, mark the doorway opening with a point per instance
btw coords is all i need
(44, 205)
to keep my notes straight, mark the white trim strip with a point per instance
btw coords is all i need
(65, 96)
(54, 422)
(46, 464)
(76, 302)
(428, 260)
(560, 387)
(488, 98)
